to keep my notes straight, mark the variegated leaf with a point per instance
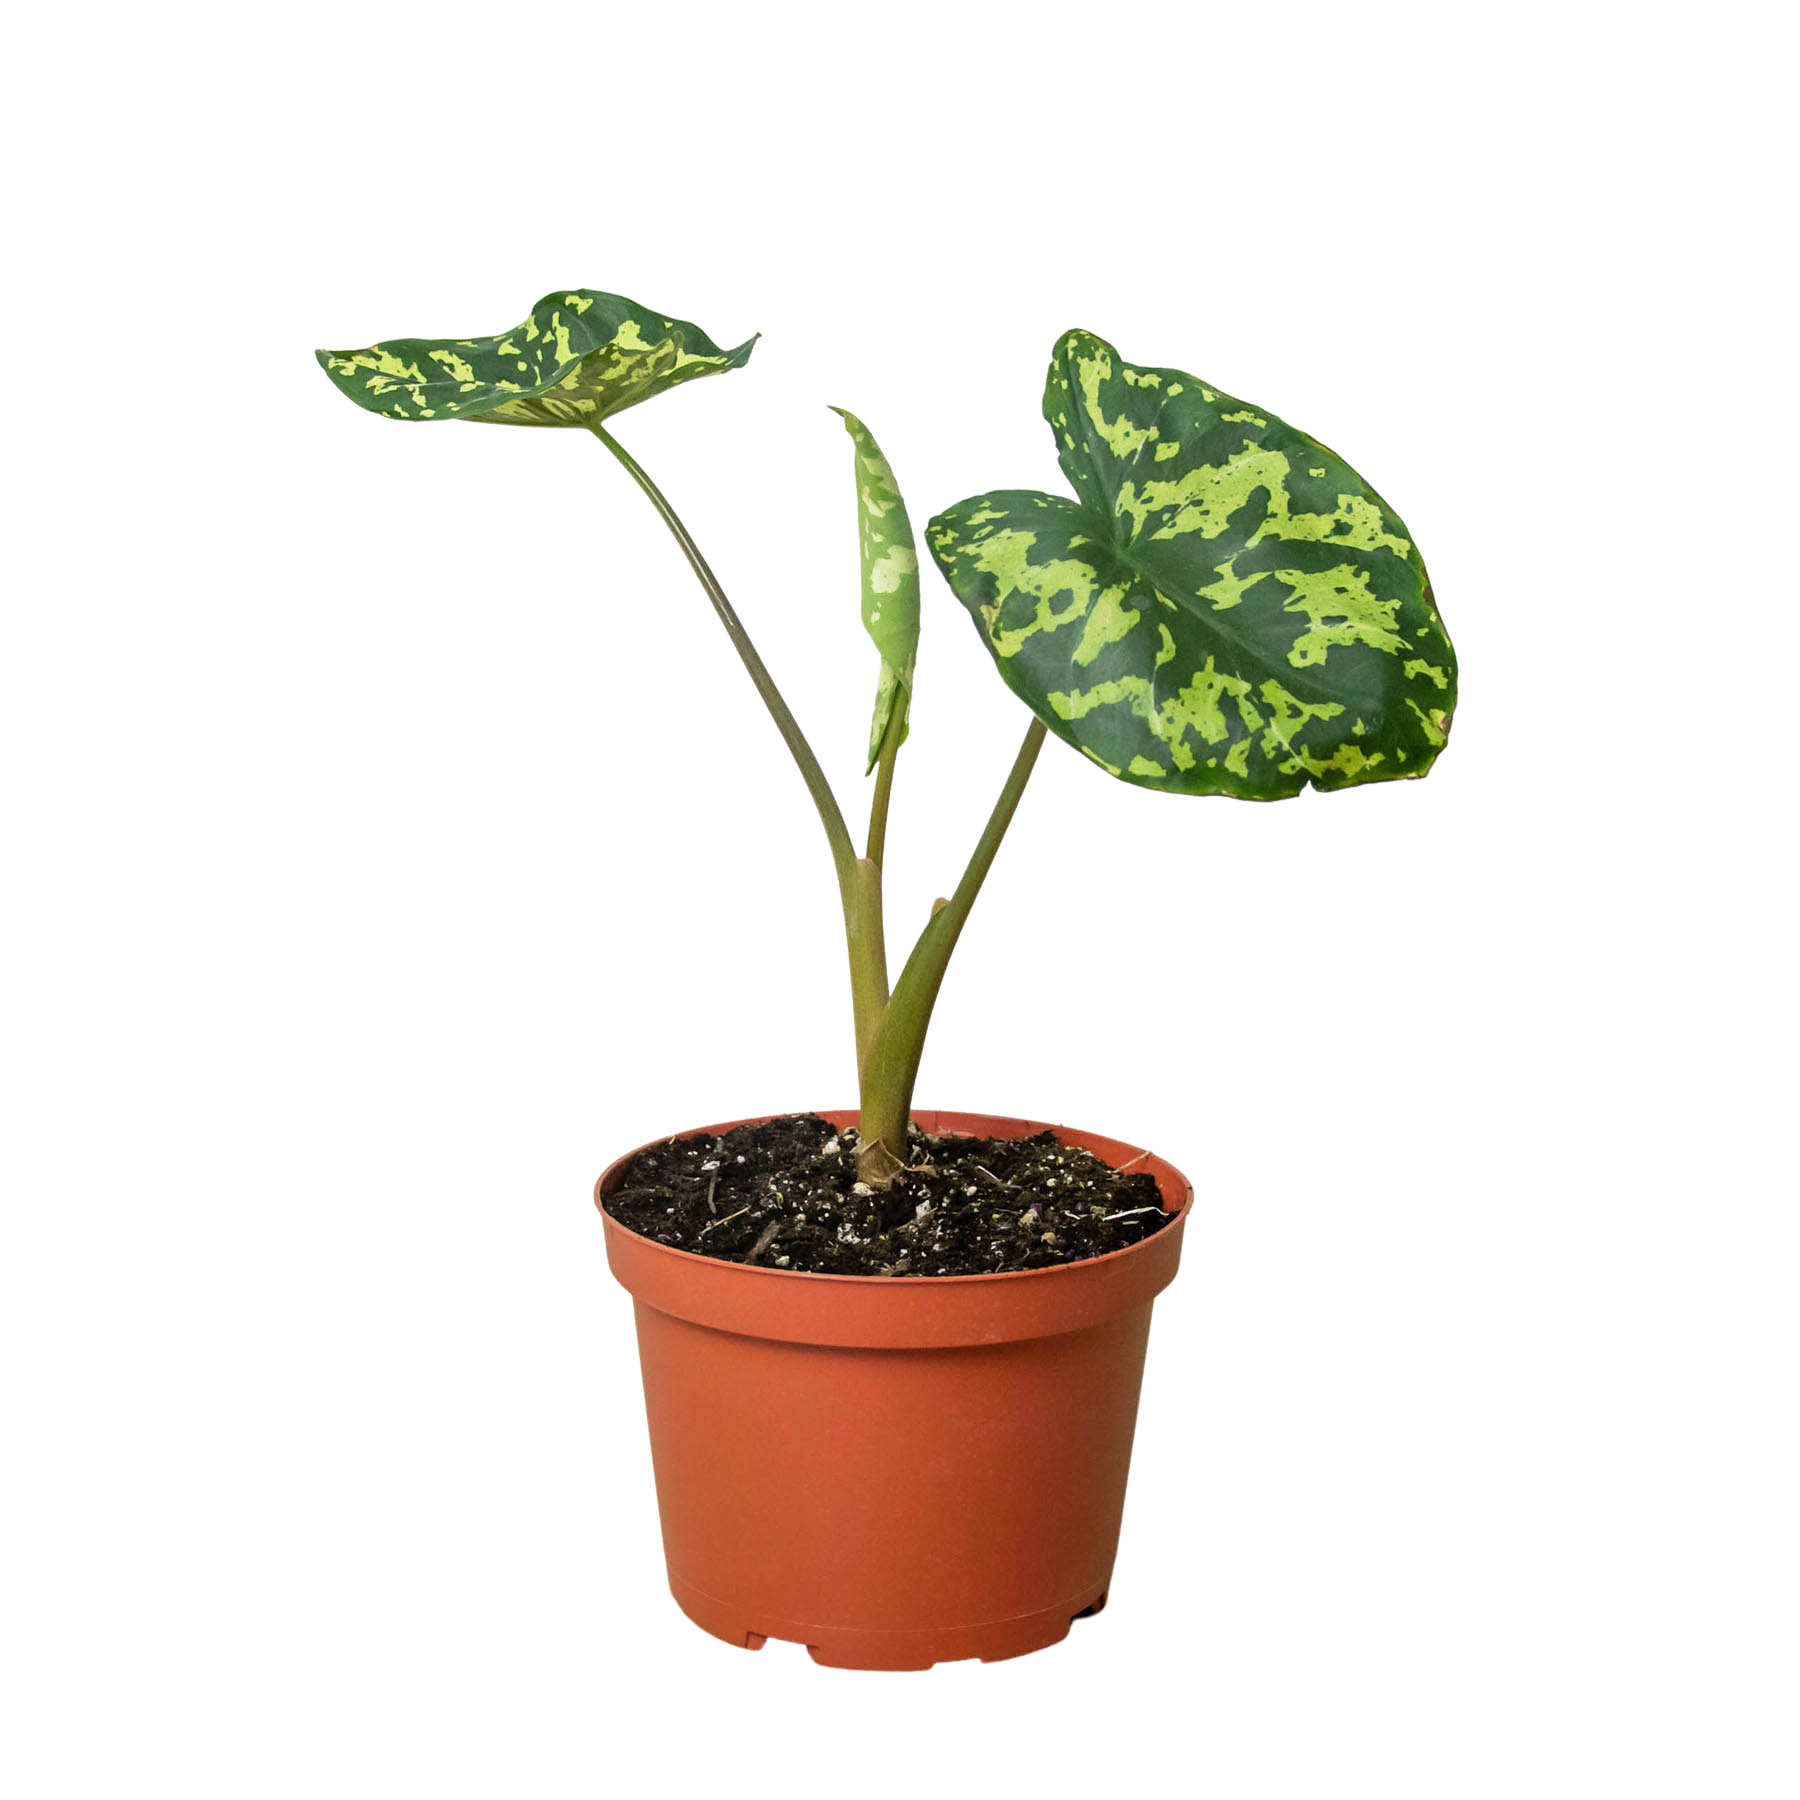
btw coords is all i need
(579, 358)
(1227, 608)
(890, 580)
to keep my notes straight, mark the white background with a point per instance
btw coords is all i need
(390, 839)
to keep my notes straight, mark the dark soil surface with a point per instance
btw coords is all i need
(784, 1195)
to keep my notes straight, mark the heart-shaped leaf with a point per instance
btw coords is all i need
(579, 358)
(1227, 608)
(890, 580)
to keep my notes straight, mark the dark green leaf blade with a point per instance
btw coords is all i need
(579, 358)
(1228, 608)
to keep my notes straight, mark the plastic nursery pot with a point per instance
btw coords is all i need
(895, 1471)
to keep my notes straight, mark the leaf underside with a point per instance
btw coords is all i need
(1227, 607)
(579, 358)
(890, 581)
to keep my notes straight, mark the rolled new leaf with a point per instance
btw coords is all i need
(579, 358)
(890, 581)
(1226, 608)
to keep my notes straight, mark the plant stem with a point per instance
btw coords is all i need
(859, 879)
(892, 1063)
(884, 786)
(867, 938)
(843, 853)
(868, 953)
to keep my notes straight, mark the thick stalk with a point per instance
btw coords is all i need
(892, 1064)
(858, 893)
(868, 960)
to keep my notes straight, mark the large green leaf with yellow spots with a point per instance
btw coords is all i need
(579, 358)
(1226, 607)
(890, 580)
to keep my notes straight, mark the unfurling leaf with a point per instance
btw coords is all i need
(579, 358)
(1226, 608)
(890, 581)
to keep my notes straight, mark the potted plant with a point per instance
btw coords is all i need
(891, 1358)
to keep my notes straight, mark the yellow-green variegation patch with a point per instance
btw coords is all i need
(579, 358)
(890, 580)
(1226, 608)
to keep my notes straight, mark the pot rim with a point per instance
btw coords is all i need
(843, 1116)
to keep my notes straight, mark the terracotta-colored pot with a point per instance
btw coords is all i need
(895, 1471)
